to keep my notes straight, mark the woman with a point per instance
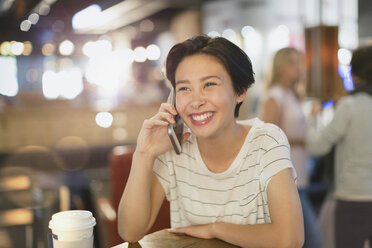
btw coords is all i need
(281, 106)
(233, 181)
(351, 133)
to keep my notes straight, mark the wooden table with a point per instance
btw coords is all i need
(164, 239)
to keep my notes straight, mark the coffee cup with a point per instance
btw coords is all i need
(73, 228)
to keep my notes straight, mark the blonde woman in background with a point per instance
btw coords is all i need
(281, 106)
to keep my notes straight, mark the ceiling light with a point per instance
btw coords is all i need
(87, 17)
(33, 18)
(25, 25)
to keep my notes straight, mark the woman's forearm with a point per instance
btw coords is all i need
(286, 227)
(134, 211)
(258, 235)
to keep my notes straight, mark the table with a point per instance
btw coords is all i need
(164, 239)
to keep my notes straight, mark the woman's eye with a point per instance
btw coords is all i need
(209, 84)
(182, 89)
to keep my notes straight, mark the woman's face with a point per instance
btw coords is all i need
(291, 71)
(205, 96)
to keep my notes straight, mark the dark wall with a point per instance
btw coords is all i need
(365, 20)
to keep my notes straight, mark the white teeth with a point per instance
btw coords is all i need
(201, 117)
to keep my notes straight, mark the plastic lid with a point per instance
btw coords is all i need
(72, 220)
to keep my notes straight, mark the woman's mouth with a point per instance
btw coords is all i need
(202, 118)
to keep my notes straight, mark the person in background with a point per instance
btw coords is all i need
(233, 180)
(281, 105)
(350, 131)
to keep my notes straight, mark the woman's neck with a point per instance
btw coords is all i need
(287, 84)
(224, 147)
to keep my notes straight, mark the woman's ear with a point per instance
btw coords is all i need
(241, 97)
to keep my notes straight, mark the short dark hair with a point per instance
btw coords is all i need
(234, 59)
(361, 63)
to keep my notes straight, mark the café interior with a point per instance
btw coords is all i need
(78, 78)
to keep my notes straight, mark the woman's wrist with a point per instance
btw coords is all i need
(144, 155)
(144, 159)
(214, 229)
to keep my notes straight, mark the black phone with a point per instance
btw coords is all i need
(175, 131)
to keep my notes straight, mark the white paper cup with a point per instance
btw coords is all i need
(72, 228)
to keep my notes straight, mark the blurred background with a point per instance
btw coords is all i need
(77, 79)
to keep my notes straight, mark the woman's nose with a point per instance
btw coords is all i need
(197, 99)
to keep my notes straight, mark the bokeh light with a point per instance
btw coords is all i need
(70, 83)
(124, 55)
(48, 49)
(8, 76)
(103, 71)
(230, 35)
(214, 34)
(25, 25)
(252, 41)
(66, 84)
(66, 48)
(140, 54)
(344, 56)
(6, 48)
(50, 85)
(278, 38)
(146, 26)
(44, 9)
(17, 48)
(33, 18)
(88, 48)
(97, 48)
(27, 48)
(153, 52)
(104, 119)
(87, 17)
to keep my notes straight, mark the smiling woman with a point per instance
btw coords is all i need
(232, 177)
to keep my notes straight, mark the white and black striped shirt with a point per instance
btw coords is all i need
(237, 195)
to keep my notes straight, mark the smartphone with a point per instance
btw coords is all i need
(175, 131)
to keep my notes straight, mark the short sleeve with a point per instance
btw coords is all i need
(275, 93)
(276, 156)
(161, 171)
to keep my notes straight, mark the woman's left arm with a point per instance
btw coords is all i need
(285, 230)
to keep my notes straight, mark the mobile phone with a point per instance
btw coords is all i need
(175, 131)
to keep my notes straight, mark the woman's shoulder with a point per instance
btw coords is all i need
(264, 129)
(347, 103)
(276, 90)
(352, 98)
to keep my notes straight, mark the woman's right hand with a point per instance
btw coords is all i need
(153, 139)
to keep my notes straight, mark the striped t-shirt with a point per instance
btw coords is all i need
(237, 195)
